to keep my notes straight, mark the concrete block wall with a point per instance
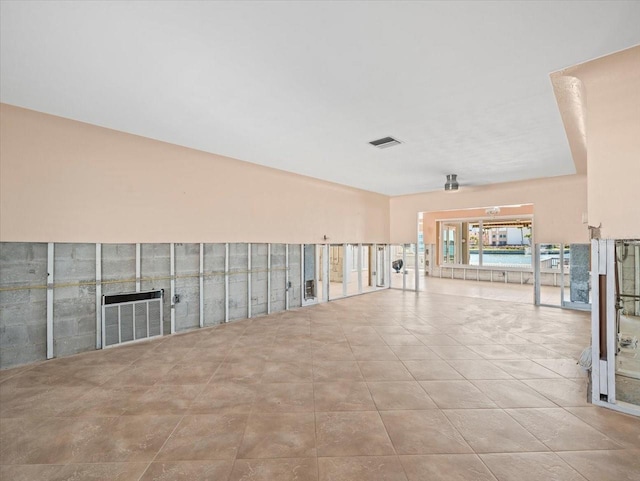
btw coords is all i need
(238, 285)
(629, 277)
(24, 277)
(23, 317)
(295, 276)
(74, 298)
(259, 277)
(155, 270)
(187, 286)
(118, 268)
(278, 277)
(214, 306)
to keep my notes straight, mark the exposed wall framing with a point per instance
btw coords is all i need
(51, 294)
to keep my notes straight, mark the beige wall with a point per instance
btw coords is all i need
(66, 181)
(558, 203)
(611, 88)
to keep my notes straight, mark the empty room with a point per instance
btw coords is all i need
(319, 241)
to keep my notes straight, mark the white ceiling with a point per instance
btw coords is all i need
(305, 86)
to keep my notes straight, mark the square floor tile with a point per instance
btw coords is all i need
(248, 372)
(287, 371)
(336, 371)
(164, 399)
(423, 432)
(365, 339)
(409, 353)
(445, 467)
(622, 428)
(563, 392)
(512, 394)
(426, 370)
(284, 397)
(361, 468)
(565, 367)
(204, 436)
(122, 439)
(620, 465)
(103, 401)
(284, 469)
(561, 430)
(526, 369)
(373, 353)
(397, 395)
(98, 471)
(456, 395)
(401, 340)
(530, 467)
(41, 400)
(342, 396)
(497, 351)
(197, 373)
(279, 435)
(391, 330)
(31, 472)
(493, 431)
(334, 352)
(479, 370)
(356, 433)
(455, 352)
(437, 340)
(188, 471)
(384, 371)
(224, 396)
(292, 353)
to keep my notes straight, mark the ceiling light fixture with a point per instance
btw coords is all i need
(452, 183)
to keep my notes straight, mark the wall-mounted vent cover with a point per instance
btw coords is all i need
(385, 142)
(131, 317)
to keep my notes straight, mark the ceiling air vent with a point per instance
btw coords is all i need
(385, 142)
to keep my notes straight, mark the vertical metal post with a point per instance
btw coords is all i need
(596, 271)
(387, 273)
(480, 242)
(138, 267)
(172, 256)
(226, 282)
(201, 291)
(636, 253)
(359, 268)
(249, 280)
(325, 271)
(98, 296)
(286, 277)
(561, 275)
(404, 267)
(376, 258)
(536, 275)
(417, 267)
(345, 269)
(268, 278)
(611, 327)
(303, 294)
(50, 280)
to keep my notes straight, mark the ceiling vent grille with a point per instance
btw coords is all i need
(385, 142)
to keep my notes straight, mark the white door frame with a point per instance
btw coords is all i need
(603, 328)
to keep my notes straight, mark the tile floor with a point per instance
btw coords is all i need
(388, 386)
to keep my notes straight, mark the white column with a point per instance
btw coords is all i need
(172, 256)
(99, 327)
(50, 280)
